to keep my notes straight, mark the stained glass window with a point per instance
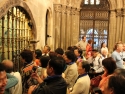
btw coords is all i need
(92, 2)
(97, 2)
(86, 2)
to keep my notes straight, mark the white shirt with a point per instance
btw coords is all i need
(97, 64)
(104, 48)
(17, 89)
(122, 54)
(102, 57)
(82, 44)
(47, 54)
(71, 74)
(82, 86)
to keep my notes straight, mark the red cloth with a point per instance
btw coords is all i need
(37, 62)
(88, 50)
(102, 83)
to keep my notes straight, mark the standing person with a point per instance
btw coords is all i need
(37, 55)
(122, 54)
(46, 50)
(82, 44)
(71, 72)
(17, 89)
(103, 47)
(27, 60)
(89, 49)
(3, 79)
(82, 84)
(116, 55)
(54, 83)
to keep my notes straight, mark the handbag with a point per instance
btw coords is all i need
(95, 81)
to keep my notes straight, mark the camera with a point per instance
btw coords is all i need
(34, 68)
(123, 59)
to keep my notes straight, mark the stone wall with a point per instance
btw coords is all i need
(63, 20)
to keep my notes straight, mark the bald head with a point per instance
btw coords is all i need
(8, 65)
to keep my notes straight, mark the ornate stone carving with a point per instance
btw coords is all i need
(68, 9)
(63, 9)
(112, 13)
(7, 4)
(118, 12)
(73, 11)
(77, 11)
(123, 12)
(57, 7)
(67, 2)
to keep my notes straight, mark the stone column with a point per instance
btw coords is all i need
(63, 27)
(77, 25)
(75, 32)
(73, 26)
(112, 29)
(118, 25)
(123, 27)
(57, 25)
(68, 26)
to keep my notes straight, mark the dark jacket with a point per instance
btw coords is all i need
(52, 85)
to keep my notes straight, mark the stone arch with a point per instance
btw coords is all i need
(7, 4)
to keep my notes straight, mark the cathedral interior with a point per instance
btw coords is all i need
(31, 24)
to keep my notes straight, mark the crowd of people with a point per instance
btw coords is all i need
(66, 72)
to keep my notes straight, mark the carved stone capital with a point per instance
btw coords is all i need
(123, 12)
(112, 13)
(68, 9)
(73, 11)
(57, 7)
(77, 11)
(63, 8)
(118, 13)
(112, 10)
(6, 5)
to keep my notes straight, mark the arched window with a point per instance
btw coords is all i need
(47, 31)
(94, 21)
